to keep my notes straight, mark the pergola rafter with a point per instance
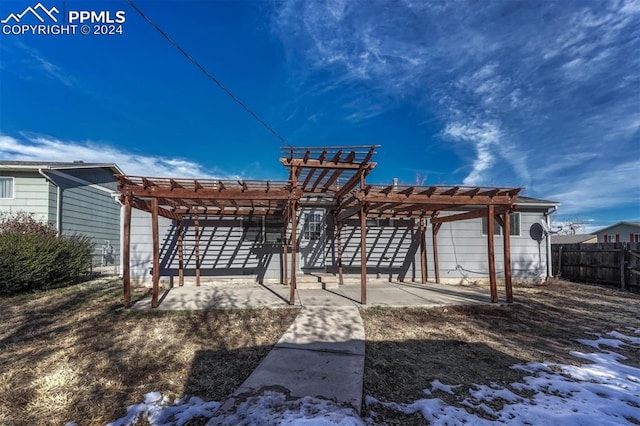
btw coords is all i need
(338, 174)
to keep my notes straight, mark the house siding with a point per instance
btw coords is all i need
(92, 212)
(393, 251)
(462, 250)
(623, 230)
(32, 193)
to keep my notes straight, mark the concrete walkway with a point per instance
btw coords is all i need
(321, 355)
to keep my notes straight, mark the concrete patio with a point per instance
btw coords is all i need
(233, 295)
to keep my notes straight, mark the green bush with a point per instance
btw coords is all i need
(32, 257)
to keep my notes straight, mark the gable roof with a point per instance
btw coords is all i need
(632, 224)
(524, 201)
(56, 165)
(572, 239)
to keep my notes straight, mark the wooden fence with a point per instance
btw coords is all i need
(615, 264)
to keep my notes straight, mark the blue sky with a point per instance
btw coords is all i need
(539, 94)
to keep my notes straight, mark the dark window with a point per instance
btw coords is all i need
(514, 225)
(273, 227)
(251, 229)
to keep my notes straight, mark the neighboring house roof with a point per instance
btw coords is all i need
(535, 201)
(56, 165)
(572, 239)
(633, 224)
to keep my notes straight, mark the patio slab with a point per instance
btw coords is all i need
(233, 295)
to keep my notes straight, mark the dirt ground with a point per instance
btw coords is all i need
(74, 354)
(407, 349)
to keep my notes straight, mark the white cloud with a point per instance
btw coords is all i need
(485, 137)
(592, 190)
(45, 148)
(560, 77)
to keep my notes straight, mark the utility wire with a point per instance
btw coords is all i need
(207, 73)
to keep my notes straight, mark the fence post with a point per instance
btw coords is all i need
(623, 256)
(559, 271)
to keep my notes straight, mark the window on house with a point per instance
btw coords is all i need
(273, 227)
(635, 238)
(251, 229)
(611, 238)
(6, 187)
(312, 228)
(514, 225)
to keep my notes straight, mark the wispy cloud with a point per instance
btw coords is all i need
(36, 60)
(45, 148)
(531, 93)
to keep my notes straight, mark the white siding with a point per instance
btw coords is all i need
(393, 251)
(224, 252)
(462, 250)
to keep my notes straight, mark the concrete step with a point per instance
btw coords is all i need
(316, 281)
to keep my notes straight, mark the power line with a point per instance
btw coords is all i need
(207, 73)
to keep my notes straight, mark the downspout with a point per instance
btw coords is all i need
(116, 197)
(58, 201)
(547, 215)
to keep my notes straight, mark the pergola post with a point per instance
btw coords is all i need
(507, 257)
(180, 253)
(196, 229)
(363, 246)
(363, 255)
(285, 254)
(294, 243)
(423, 251)
(435, 227)
(339, 242)
(491, 250)
(156, 252)
(126, 252)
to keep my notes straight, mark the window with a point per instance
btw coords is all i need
(262, 229)
(312, 229)
(514, 225)
(251, 229)
(6, 187)
(612, 238)
(635, 238)
(273, 227)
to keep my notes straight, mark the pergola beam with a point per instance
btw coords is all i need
(317, 164)
(467, 215)
(374, 197)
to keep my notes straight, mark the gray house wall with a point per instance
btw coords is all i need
(32, 194)
(90, 210)
(393, 251)
(623, 230)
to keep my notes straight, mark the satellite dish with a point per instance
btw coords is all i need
(536, 232)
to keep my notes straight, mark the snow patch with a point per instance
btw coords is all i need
(158, 412)
(604, 392)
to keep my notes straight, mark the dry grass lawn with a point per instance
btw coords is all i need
(407, 349)
(73, 354)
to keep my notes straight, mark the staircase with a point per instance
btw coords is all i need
(316, 280)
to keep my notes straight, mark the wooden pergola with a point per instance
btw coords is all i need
(338, 175)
